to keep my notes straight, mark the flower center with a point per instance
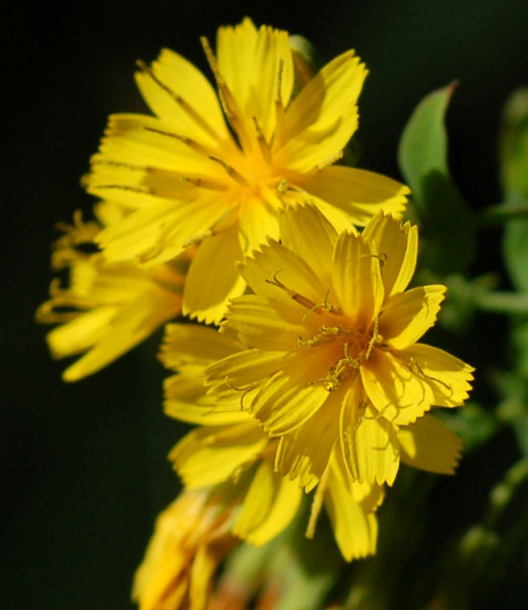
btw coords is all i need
(353, 346)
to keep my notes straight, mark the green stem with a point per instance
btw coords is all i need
(499, 214)
(502, 302)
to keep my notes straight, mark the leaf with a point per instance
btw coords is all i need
(447, 224)
(423, 145)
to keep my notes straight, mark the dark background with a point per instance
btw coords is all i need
(83, 468)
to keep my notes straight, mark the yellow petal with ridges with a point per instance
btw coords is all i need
(322, 118)
(355, 531)
(396, 391)
(291, 397)
(311, 236)
(359, 193)
(240, 371)
(430, 445)
(211, 454)
(278, 273)
(257, 221)
(397, 246)
(269, 506)
(408, 315)
(212, 278)
(174, 87)
(369, 444)
(356, 278)
(162, 231)
(235, 48)
(263, 323)
(186, 400)
(448, 377)
(81, 333)
(298, 456)
(192, 343)
(136, 142)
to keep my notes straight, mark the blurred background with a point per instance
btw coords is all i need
(83, 467)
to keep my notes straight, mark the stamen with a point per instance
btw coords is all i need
(376, 338)
(325, 306)
(282, 187)
(317, 504)
(143, 190)
(279, 106)
(136, 167)
(179, 100)
(226, 98)
(278, 97)
(264, 146)
(298, 298)
(231, 171)
(184, 139)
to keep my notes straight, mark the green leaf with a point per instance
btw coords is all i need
(447, 224)
(423, 145)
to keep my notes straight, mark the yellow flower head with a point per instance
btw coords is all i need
(216, 167)
(108, 308)
(190, 541)
(333, 355)
(231, 451)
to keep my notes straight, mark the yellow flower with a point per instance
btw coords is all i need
(231, 451)
(216, 170)
(333, 355)
(191, 539)
(108, 308)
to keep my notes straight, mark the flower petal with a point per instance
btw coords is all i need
(355, 531)
(408, 315)
(370, 446)
(179, 93)
(395, 390)
(322, 118)
(192, 343)
(257, 221)
(397, 245)
(298, 456)
(211, 454)
(356, 278)
(162, 231)
(186, 400)
(236, 373)
(448, 377)
(269, 506)
(133, 323)
(357, 192)
(290, 397)
(263, 323)
(430, 445)
(257, 67)
(306, 232)
(212, 278)
(278, 273)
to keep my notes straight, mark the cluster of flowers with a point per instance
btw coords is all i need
(300, 363)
